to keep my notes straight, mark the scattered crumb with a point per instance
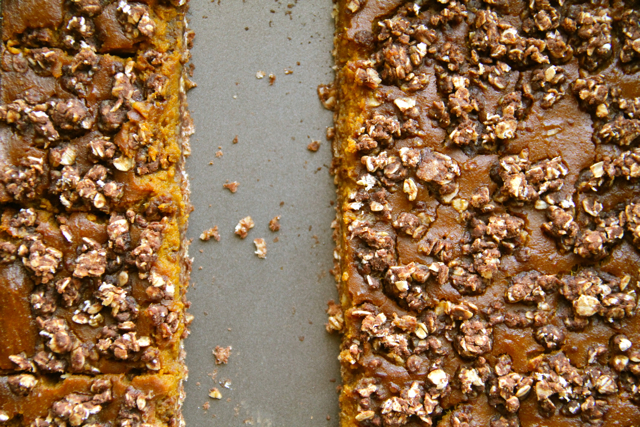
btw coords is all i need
(226, 383)
(288, 71)
(231, 186)
(261, 248)
(222, 354)
(214, 393)
(336, 317)
(272, 79)
(206, 406)
(243, 227)
(249, 421)
(274, 224)
(301, 338)
(328, 417)
(260, 74)
(208, 234)
(331, 133)
(313, 146)
(235, 140)
(276, 240)
(211, 163)
(219, 153)
(213, 374)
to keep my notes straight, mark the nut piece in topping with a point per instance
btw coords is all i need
(261, 248)
(210, 233)
(274, 224)
(231, 186)
(243, 227)
(222, 354)
(313, 146)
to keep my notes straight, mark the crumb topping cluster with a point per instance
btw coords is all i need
(462, 225)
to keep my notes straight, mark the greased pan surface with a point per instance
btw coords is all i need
(271, 311)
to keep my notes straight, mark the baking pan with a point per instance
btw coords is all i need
(283, 370)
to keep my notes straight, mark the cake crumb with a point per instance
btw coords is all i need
(235, 140)
(288, 71)
(261, 248)
(243, 227)
(260, 75)
(272, 79)
(206, 406)
(219, 153)
(222, 354)
(231, 186)
(313, 146)
(274, 224)
(214, 393)
(208, 234)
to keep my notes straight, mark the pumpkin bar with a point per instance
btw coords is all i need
(487, 156)
(94, 201)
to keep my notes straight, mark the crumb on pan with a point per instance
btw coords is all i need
(222, 354)
(261, 248)
(274, 224)
(313, 146)
(210, 233)
(214, 393)
(243, 227)
(231, 186)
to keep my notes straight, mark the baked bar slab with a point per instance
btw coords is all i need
(487, 162)
(94, 204)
